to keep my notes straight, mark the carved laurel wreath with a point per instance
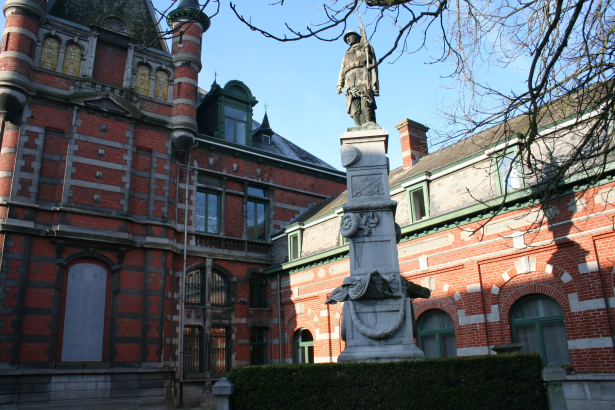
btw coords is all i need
(377, 334)
(349, 225)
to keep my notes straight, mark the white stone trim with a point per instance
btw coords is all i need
(590, 343)
(321, 359)
(328, 336)
(591, 304)
(494, 316)
(566, 277)
(473, 288)
(588, 267)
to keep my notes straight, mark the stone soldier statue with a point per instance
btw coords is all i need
(359, 77)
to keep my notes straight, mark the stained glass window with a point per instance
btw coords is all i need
(162, 85)
(142, 80)
(50, 53)
(72, 60)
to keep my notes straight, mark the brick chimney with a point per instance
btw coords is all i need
(413, 141)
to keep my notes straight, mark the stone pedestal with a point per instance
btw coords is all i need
(365, 322)
(377, 317)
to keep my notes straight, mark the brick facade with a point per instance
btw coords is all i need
(89, 174)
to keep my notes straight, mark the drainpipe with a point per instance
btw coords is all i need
(606, 298)
(486, 318)
(280, 316)
(183, 286)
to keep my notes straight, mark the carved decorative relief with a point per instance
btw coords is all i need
(72, 60)
(350, 155)
(142, 80)
(162, 85)
(370, 185)
(49, 53)
(115, 24)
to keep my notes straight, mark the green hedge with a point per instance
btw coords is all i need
(484, 382)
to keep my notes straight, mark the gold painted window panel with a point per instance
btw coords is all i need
(162, 85)
(50, 53)
(72, 60)
(142, 80)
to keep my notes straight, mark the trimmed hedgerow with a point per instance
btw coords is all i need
(485, 382)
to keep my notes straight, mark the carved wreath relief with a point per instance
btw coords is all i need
(367, 186)
(352, 223)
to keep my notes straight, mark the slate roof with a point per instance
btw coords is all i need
(561, 109)
(86, 12)
(281, 146)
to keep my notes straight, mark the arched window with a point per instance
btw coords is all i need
(258, 291)
(162, 85)
(196, 288)
(50, 53)
(436, 334)
(304, 347)
(218, 294)
(72, 60)
(143, 79)
(537, 322)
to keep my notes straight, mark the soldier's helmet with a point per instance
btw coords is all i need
(348, 33)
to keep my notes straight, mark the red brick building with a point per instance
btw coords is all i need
(99, 121)
(538, 276)
(102, 126)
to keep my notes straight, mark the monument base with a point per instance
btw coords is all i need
(380, 354)
(378, 331)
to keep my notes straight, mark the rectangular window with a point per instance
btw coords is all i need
(294, 246)
(207, 212)
(256, 221)
(193, 342)
(418, 206)
(235, 125)
(509, 178)
(258, 346)
(220, 350)
(258, 291)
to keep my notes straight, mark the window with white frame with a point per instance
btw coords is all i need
(294, 246)
(508, 173)
(418, 202)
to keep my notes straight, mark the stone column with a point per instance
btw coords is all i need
(377, 317)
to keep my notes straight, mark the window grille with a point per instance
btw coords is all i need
(218, 295)
(219, 343)
(192, 350)
(194, 286)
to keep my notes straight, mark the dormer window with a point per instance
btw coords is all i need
(235, 125)
(267, 139)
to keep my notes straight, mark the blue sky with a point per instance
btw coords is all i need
(297, 80)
